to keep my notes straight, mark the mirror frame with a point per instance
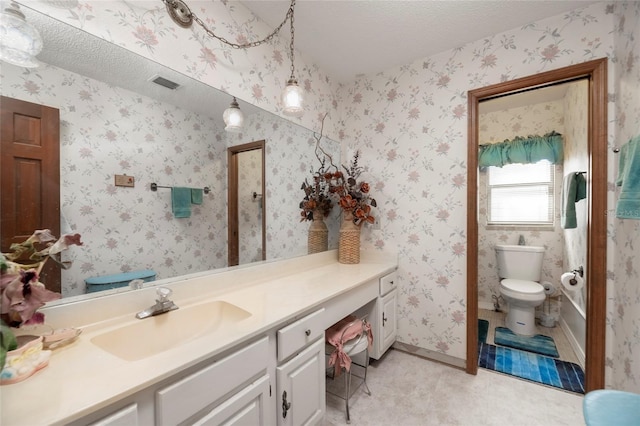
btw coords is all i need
(596, 269)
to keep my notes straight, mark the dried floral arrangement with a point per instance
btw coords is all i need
(329, 181)
(317, 195)
(354, 197)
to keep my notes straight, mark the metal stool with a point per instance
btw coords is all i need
(357, 331)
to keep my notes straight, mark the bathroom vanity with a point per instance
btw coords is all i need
(246, 346)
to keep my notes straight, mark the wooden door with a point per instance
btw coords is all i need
(30, 176)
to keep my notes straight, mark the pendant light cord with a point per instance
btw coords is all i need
(175, 4)
(291, 49)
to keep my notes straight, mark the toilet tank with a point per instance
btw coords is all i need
(519, 262)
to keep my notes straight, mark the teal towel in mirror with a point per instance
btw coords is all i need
(628, 206)
(196, 195)
(574, 189)
(181, 202)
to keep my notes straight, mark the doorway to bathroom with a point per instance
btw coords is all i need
(594, 73)
(246, 203)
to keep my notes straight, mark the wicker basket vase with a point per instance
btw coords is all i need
(349, 242)
(318, 237)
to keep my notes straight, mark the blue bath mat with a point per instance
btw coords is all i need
(543, 345)
(483, 329)
(529, 366)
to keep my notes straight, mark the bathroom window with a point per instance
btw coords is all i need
(521, 194)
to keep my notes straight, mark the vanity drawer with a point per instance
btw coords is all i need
(297, 335)
(181, 400)
(388, 282)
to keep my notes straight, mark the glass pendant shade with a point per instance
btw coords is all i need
(233, 117)
(293, 98)
(19, 41)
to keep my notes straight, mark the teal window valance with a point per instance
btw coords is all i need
(523, 150)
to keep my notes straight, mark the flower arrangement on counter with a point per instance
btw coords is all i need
(317, 196)
(353, 195)
(21, 292)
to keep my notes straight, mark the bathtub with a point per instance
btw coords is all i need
(573, 322)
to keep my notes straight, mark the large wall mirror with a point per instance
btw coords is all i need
(573, 99)
(114, 120)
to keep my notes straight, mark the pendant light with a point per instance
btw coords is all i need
(233, 117)
(292, 95)
(20, 42)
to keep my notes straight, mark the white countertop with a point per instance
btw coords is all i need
(82, 378)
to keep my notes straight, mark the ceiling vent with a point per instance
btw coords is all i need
(164, 82)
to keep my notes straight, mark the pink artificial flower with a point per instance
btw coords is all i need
(23, 296)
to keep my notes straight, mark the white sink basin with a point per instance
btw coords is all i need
(150, 336)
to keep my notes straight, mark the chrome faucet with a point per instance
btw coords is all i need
(163, 304)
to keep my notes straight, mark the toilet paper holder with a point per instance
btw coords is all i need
(579, 271)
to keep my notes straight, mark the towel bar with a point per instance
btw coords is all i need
(154, 187)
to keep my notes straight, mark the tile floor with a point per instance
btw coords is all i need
(411, 391)
(496, 319)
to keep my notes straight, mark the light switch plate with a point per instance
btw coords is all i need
(124, 180)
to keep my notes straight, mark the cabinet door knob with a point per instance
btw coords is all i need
(307, 332)
(285, 405)
(384, 319)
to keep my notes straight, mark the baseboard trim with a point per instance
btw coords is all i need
(431, 355)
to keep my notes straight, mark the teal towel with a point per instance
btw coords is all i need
(629, 178)
(181, 202)
(574, 189)
(196, 195)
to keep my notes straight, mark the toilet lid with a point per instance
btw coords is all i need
(522, 286)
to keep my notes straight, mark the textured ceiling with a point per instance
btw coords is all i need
(75, 50)
(346, 38)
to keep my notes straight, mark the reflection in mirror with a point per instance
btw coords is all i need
(562, 108)
(246, 203)
(110, 125)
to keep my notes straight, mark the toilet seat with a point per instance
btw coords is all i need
(522, 286)
(522, 289)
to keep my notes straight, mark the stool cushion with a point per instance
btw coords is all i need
(611, 407)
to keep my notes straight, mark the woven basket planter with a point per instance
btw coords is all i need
(349, 242)
(318, 237)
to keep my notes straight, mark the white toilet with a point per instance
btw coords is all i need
(519, 269)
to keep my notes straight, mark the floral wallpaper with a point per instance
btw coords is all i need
(623, 339)
(255, 75)
(411, 124)
(497, 126)
(576, 159)
(105, 130)
(290, 158)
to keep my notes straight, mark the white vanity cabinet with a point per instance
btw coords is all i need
(127, 416)
(267, 369)
(233, 389)
(383, 316)
(228, 389)
(301, 378)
